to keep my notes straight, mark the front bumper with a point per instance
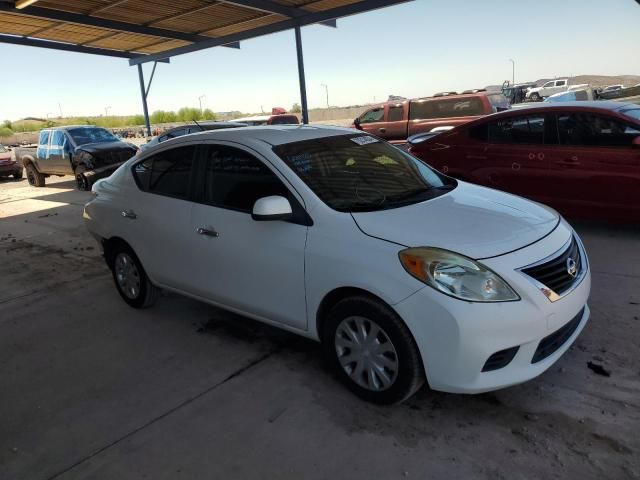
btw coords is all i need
(102, 172)
(456, 338)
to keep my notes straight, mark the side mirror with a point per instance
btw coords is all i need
(356, 123)
(271, 208)
(636, 142)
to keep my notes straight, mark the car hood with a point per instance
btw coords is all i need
(106, 147)
(475, 221)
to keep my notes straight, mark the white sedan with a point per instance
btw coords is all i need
(402, 273)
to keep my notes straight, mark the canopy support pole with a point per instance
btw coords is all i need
(143, 93)
(303, 84)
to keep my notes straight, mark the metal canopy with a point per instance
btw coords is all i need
(154, 31)
(145, 31)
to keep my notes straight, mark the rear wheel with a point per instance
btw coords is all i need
(372, 351)
(18, 175)
(34, 177)
(131, 280)
(535, 97)
(82, 182)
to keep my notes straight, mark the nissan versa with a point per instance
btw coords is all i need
(402, 273)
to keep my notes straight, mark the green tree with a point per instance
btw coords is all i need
(7, 124)
(295, 108)
(136, 120)
(5, 132)
(208, 114)
(158, 116)
(188, 114)
(170, 117)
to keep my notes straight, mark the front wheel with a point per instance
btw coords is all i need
(18, 175)
(535, 97)
(82, 182)
(131, 280)
(372, 351)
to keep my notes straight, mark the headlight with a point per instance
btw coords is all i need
(456, 275)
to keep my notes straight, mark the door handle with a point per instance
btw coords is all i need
(382, 130)
(515, 166)
(207, 231)
(129, 214)
(569, 162)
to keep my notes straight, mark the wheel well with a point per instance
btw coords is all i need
(335, 296)
(109, 246)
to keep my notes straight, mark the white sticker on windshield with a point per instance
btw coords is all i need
(364, 140)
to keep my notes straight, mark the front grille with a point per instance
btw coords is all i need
(500, 359)
(554, 274)
(549, 344)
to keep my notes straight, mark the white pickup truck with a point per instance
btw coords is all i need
(552, 87)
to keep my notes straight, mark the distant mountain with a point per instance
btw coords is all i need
(593, 80)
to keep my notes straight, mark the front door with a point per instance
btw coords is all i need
(372, 121)
(256, 267)
(58, 160)
(515, 158)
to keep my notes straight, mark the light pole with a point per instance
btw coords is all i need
(106, 111)
(326, 88)
(200, 102)
(513, 71)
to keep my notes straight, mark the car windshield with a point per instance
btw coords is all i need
(84, 135)
(361, 173)
(632, 112)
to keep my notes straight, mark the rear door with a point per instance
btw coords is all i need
(594, 165)
(156, 218)
(58, 159)
(515, 159)
(396, 123)
(253, 266)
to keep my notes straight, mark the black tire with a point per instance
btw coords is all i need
(410, 373)
(18, 175)
(535, 97)
(82, 181)
(34, 177)
(146, 294)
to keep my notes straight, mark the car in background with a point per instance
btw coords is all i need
(403, 274)
(516, 93)
(581, 158)
(576, 93)
(8, 165)
(396, 121)
(84, 151)
(276, 119)
(187, 129)
(551, 87)
(612, 88)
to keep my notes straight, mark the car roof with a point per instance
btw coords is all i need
(610, 105)
(65, 127)
(272, 135)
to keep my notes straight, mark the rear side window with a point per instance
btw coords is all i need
(396, 113)
(561, 83)
(445, 108)
(234, 179)
(375, 115)
(44, 137)
(284, 120)
(167, 173)
(518, 130)
(588, 129)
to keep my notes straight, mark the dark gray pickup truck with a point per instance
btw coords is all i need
(85, 151)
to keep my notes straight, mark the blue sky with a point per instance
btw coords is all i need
(414, 49)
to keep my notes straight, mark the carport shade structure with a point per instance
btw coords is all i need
(154, 31)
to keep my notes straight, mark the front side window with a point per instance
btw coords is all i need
(588, 129)
(57, 140)
(446, 108)
(396, 113)
(375, 115)
(85, 135)
(632, 112)
(166, 173)
(548, 84)
(360, 173)
(235, 179)
(518, 130)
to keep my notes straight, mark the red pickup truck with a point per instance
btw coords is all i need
(396, 121)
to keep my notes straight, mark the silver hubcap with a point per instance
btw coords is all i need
(127, 276)
(366, 353)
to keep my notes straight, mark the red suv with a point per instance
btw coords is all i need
(582, 158)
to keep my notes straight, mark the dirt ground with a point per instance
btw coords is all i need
(92, 389)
